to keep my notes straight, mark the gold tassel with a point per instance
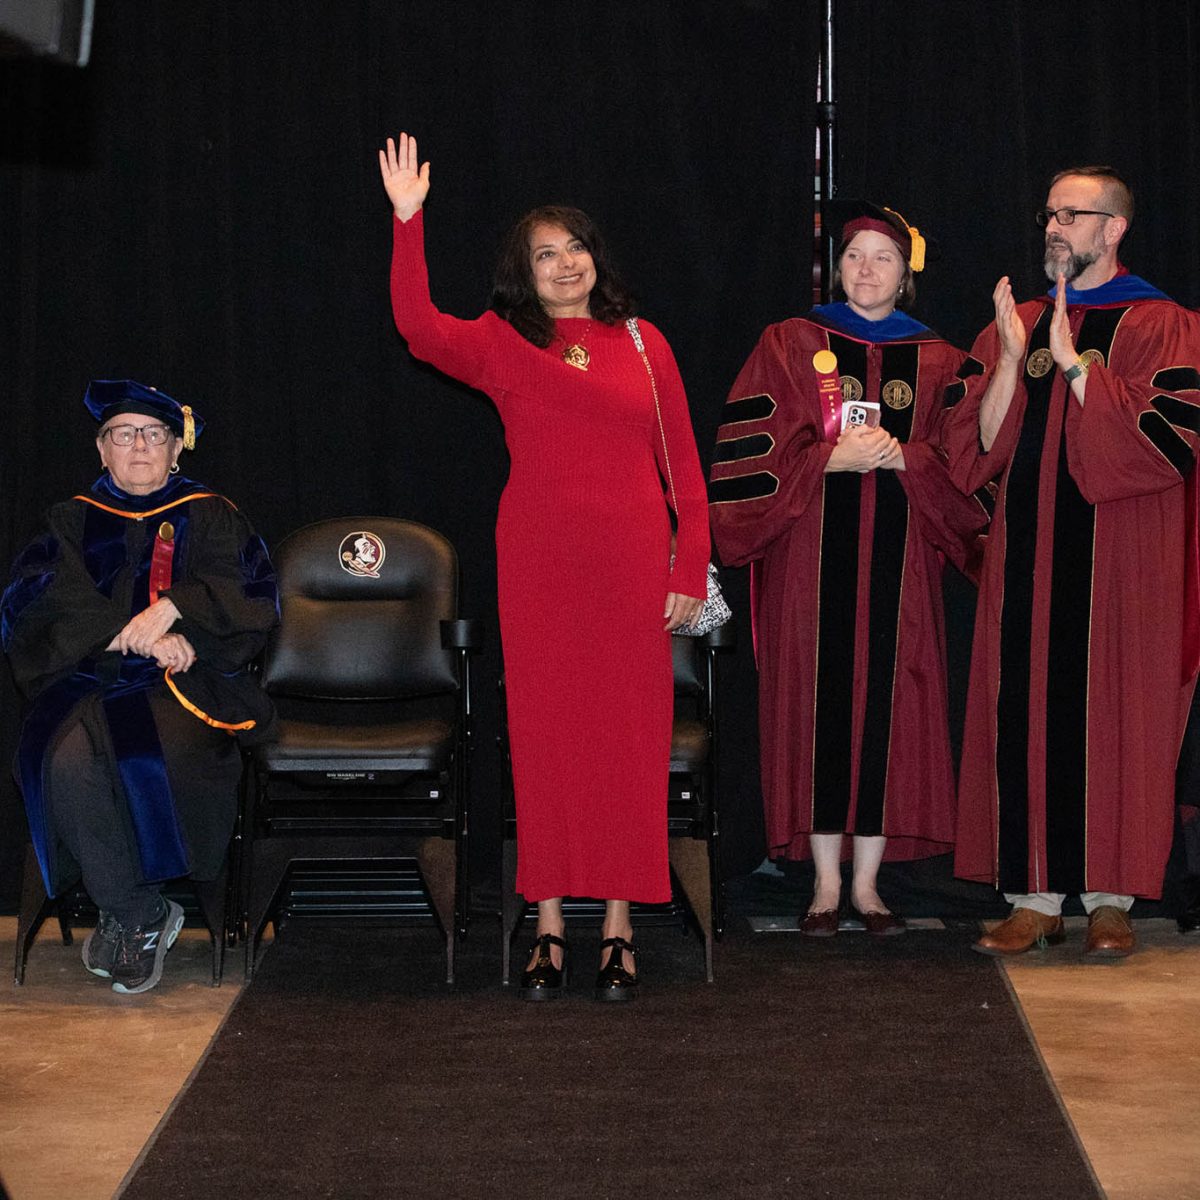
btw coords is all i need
(189, 424)
(916, 260)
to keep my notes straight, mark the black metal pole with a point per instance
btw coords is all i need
(826, 123)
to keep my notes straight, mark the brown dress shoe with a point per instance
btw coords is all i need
(1109, 933)
(1023, 930)
(823, 923)
(880, 924)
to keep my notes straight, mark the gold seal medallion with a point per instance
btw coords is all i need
(1092, 358)
(852, 390)
(166, 531)
(897, 394)
(1039, 363)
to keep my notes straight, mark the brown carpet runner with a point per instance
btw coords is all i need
(853, 1068)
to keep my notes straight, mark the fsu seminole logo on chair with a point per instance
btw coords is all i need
(362, 553)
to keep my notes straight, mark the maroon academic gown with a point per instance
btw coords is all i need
(1077, 700)
(847, 572)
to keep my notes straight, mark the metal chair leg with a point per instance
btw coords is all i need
(35, 904)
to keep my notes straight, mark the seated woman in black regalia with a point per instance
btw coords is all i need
(129, 622)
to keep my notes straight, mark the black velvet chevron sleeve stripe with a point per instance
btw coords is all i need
(1177, 379)
(743, 487)
(1157, 430)
(1171, 414)
(734, 448)
(958, 389)
(1183, 414)
(754, 445)
(747, 408)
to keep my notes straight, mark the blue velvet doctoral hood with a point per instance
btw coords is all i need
(897, 326)
(1120, 289)
(177, 487)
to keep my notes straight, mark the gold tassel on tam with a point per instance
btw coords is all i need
(189, 422)
(916, 260)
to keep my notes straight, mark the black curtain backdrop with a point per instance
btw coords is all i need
(958, 115)
(200, 209)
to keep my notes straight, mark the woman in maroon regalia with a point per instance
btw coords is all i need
(827, 479)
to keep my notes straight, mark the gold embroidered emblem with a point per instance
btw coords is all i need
(1092, 358)
(852, 390)
(897, 394)
(1039, 363)
(166, 531)
(576, 356)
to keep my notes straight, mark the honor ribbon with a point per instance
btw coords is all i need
(160, 560)
(829, 390)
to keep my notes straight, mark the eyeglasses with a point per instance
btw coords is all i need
(1066, 216)
(126, 435)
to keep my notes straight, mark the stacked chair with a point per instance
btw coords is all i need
(370, 674)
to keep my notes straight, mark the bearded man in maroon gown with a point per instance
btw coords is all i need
(1086, 413)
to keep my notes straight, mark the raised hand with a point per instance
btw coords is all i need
(1008, 324)
(1061, 345)
(406, 182)
(994, 406)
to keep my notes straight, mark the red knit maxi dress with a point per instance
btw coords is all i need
(582, 550)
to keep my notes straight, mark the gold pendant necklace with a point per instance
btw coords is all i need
(576, 354)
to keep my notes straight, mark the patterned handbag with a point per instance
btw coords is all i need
(715, 611)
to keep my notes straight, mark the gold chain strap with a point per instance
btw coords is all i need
(636, 334)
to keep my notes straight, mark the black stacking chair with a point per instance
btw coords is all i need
(693, 813)
(370, 674)
(73, 907)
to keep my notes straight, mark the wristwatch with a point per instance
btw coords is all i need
(1077, 368)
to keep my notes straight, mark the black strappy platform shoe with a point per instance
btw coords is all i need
(543, 980)
(614, 982)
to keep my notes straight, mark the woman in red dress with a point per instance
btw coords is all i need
(595, 417)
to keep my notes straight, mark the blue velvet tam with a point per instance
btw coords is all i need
(107, 398)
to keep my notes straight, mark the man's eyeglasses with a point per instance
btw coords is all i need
(1066, 216)
(126, 435)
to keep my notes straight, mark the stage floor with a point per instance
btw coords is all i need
(86, 1075)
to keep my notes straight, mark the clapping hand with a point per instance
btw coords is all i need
(406, 182)
(1061, 345)
(1008, 324)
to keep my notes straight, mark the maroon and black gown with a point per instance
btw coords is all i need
(847, 572)
(1077, 700)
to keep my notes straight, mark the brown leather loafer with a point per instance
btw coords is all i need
(880, 924)
(1109, 933)
(1023, 930)
(823, 923)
